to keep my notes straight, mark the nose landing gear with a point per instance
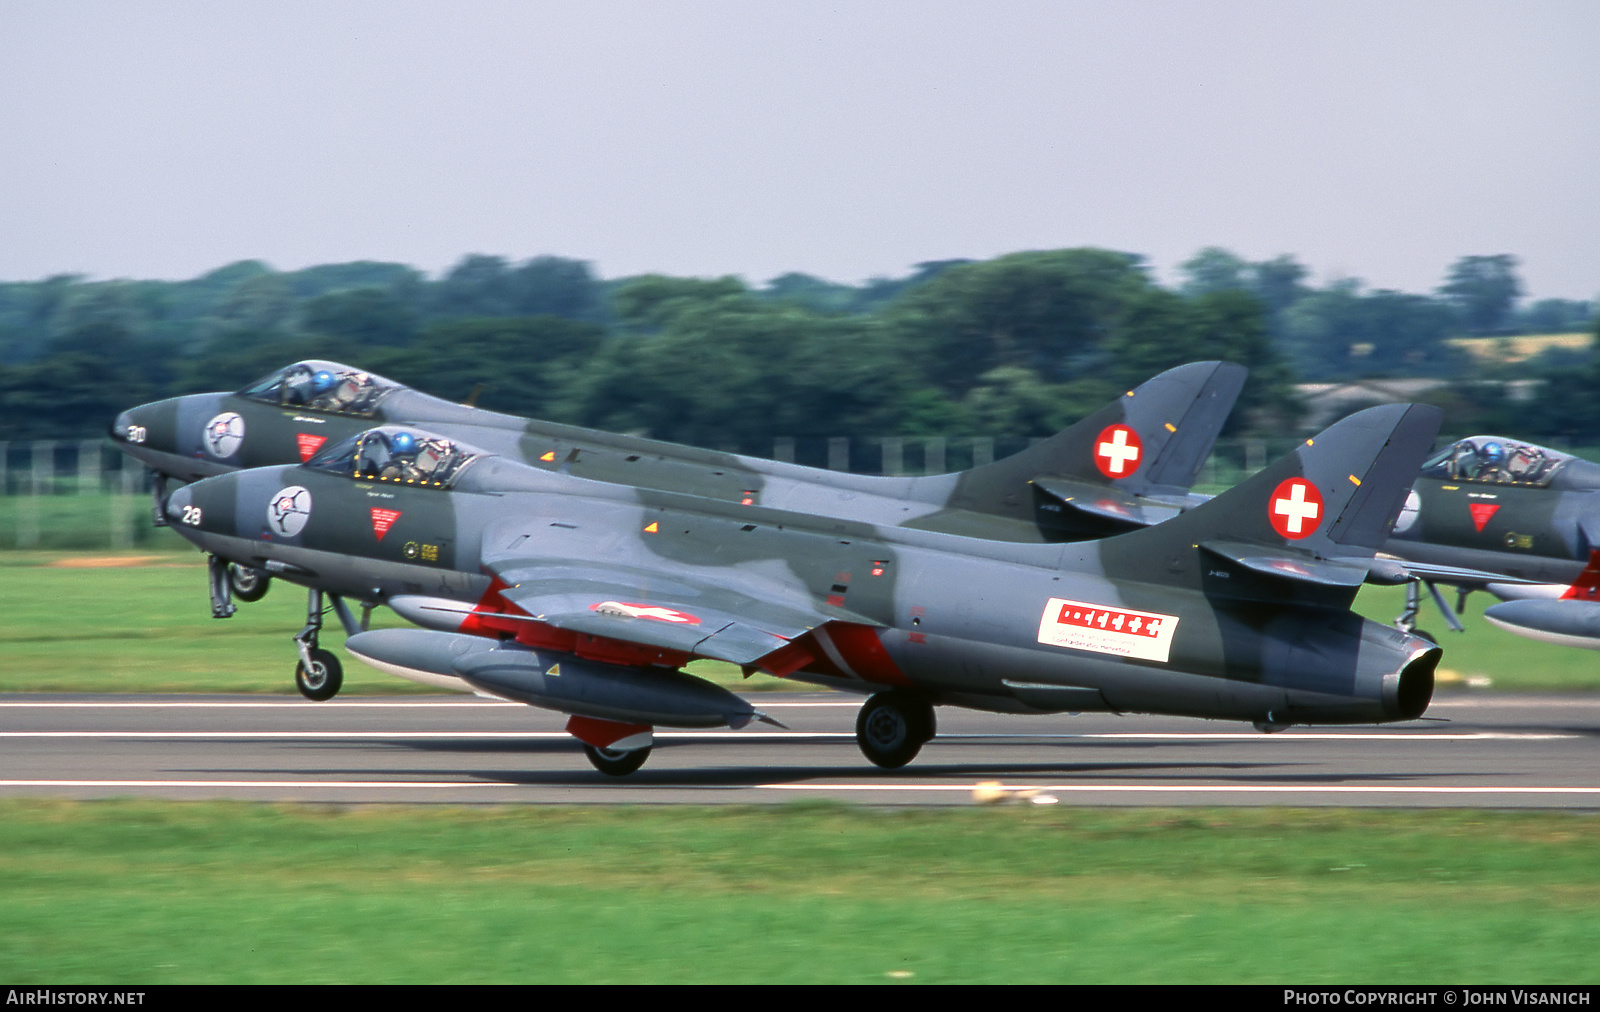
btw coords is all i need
(319, 675)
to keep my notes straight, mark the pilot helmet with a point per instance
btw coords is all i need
(323, 381)
(1493, 452)
(403, 442)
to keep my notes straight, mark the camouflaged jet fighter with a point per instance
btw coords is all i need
(1128, 465)
(1518, 520)
(588, 598)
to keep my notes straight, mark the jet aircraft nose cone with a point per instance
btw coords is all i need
(178, 501)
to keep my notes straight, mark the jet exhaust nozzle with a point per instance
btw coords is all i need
(1407, 692)
(1349, 671)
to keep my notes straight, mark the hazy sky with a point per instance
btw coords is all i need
(1378, 140)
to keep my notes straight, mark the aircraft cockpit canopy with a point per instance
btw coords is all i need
(398, 455)
(1496, 460)
(322, 386)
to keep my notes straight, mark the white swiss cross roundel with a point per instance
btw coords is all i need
(1118, 451)
(1295, 508)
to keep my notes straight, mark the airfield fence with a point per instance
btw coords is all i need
(83, 494)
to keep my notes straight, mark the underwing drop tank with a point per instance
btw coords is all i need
(553, 680)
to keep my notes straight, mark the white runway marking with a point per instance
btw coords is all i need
(1185, 789)
(274, 784)
(454, 704)
(1304, 736)
(810, 736)
(382, 735)
(331, 705)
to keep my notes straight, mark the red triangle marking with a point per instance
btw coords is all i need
(382, 520)
(308, 445)
(1481, 512)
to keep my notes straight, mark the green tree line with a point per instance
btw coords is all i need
(1014, 346)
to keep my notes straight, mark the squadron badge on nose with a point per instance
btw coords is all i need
(223, 434)
(289, 510)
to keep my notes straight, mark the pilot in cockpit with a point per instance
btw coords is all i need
(304, 387)
(350, 393)
(398, 455)
(1527, 463)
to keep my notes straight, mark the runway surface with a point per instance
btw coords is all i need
(1488, 751)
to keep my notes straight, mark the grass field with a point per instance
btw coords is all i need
(90, 522)
(144, 893)
(132, 622)
(74, 622)
(124, 892)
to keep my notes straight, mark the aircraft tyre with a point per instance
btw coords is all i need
(323, 680)
(615, 762)
(892, 727)
(248, 583)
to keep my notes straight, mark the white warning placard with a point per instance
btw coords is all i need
(1107, 630)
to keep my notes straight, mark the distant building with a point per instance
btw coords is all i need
(1328, 402)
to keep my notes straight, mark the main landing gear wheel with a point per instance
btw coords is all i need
(323, 680)
(615, 762)
(248, 583)
(892, 727)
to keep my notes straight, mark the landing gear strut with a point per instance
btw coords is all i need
(319, 675)
(222, 605)
(1407, 622)
(893, 726)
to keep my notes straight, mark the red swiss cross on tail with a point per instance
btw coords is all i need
(1118, 451)
(1295, 509)
(382, 520)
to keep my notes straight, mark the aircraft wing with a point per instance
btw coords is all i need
(1459, 576)
(622, 591)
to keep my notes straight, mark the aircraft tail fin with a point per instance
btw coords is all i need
(1314, 518)
(1151, 440)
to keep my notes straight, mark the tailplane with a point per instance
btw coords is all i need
(1127, 465)
(1307, 525)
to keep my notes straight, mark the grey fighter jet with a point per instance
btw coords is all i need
(1127, 465)
(1515, 519)
(588, 597)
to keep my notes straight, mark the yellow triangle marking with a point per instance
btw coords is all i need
(555, 669)
(652, 529)
(549, 455)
